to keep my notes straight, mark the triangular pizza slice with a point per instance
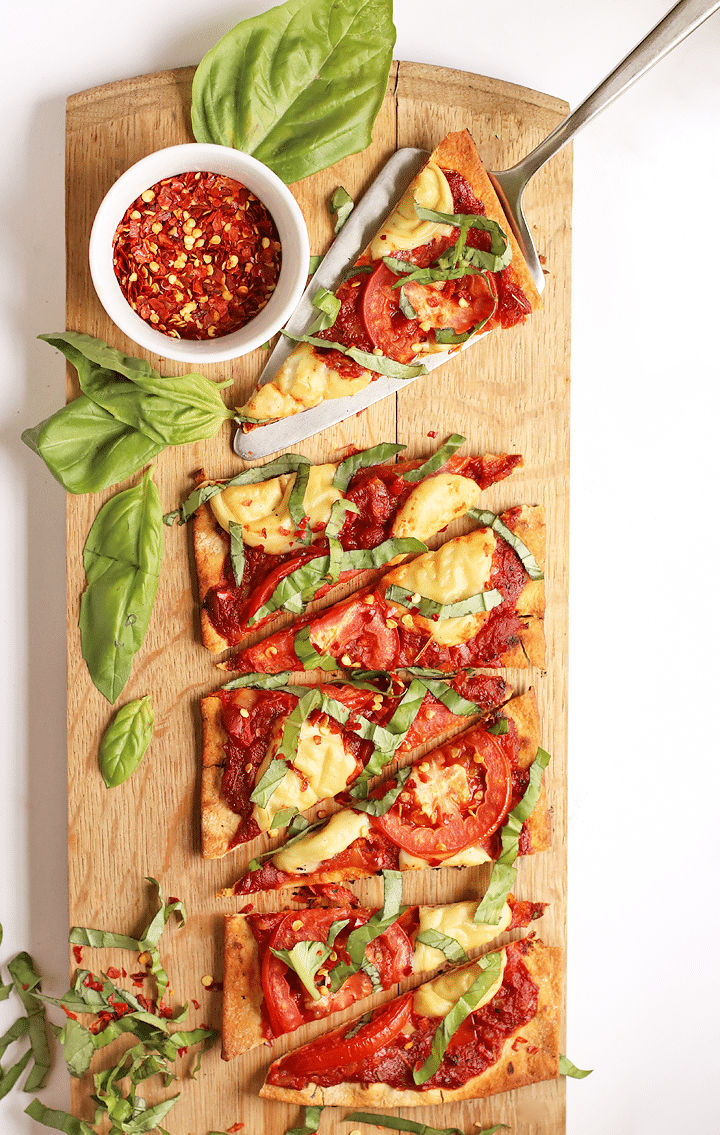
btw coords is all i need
(443, 270)
(279, 535)
(475, 799)
(486, 1027)
(479, 600)
(271, 753)
(285, 969)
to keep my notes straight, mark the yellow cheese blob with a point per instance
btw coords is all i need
(436, 998)
(471, 856)
(455, 920)
(304, 380)
(321, 768)
(403, 229)
(435, 503)
(305, 856)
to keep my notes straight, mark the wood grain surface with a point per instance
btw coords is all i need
(509, 393)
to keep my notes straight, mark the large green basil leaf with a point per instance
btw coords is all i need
(125, 741)
(299, 86)
(122, 558)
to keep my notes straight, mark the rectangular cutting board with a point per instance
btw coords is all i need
(510, 393)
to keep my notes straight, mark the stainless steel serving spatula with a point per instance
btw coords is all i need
(386, 191)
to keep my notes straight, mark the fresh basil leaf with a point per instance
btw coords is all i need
(450, 698)
(500, 728)
(500, 252)
(567, 1068)
(26, 981)
(335, 928)
(58, 1120)
(398, 1124)
(379, 364)
(291, 591)
(490, 520)
(328, 307)
(362, 559)
(436, 462)
(450, 947)
(332, 531)
(78, 1047)
(262, 681)
(277, 768)
(398, 266)
(491, 968)
(341, 206)
(361, 937)
(310, 1124)
(430, 608)
(305, 959)
(375, 455)
(282, 818)
(17, 1030)
(379, 805)
(287, 463)
(296, 500)
(237, 551)
(315, 262)
(298, 109)
(125, 741)
(387, 739)
(308, 655)
(9, 1079)
(406, 307)
(122, 558)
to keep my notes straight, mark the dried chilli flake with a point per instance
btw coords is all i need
(197, 255)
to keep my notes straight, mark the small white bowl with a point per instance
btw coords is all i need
(261, 181)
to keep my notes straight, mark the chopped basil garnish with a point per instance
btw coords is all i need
(500, 728)
(332, 530)
(388, 738)
(398, 1124)
(500, 252)
(26, 982)
(310, 1124)
(58, 1120)
(379, 364)
(359, 1024)
(491, 969)
(379, 805)
(450, 698)
(341, 206)
(309, 656)
(436, 462)
(356, 270)
(262, 681)
(450, 947)
(363, 935)
(288, 463)
(328, 307)
(237, 551)
(431, 609)
(315, 262)
(490, 520)
(406, 307)
(305, 959)
(375, 455)
(567, 1068)
(504, 873)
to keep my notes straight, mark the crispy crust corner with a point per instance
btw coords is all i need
(242, 989)
(210, 552)
(218, 822)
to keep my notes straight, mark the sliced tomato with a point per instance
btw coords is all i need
(386, 325)
(262, 593)
(335, 1051)
(445, 805)
(460, 304)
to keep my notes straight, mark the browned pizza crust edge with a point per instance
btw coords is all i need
(218, 822)
(242, 989)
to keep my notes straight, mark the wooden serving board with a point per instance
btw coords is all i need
(509, 393)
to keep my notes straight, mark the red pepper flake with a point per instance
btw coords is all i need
(164, 1011)
(26, 984)
(182, 1051)
(247, 908)
(77, 951)
(113, 973)
(432, 433)
(173, 898)
(146, 1004)
(196, 1004)
(197, 256)
(72, 1016)
(235, 1127)
(90, 983)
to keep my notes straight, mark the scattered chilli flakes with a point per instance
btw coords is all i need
(197, 255)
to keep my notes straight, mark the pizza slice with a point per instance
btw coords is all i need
(478, 600)
(276, 536)
(271, 753)
(283, 970)
(475, 799)
(443, 270)
(482, 1028)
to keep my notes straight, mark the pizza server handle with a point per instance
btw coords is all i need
(510, 183)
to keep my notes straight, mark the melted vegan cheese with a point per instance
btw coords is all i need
(471, 856)
(456, 921)
(263, 512)
(403, 229)
(434, 504)
(457, 570)
(304, 380)
(437, 998)
(321, 768)
(305, 856)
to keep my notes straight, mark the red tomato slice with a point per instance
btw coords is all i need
(443, 807)
(334, 1051)
(386, 325)
(461, 304)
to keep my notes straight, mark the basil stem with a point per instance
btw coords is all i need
(431, 609)
(450, 947)
(237, 552)
(288, 463)
(490, 520)
(125, 741)
(122, 558)
(375, 455)
(341, 206)
(361, 937)
(567, 1068)
(379, 364)
(436, 462)
(310, 1124)
(491, 969)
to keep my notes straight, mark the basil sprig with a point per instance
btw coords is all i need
(491, 969)
(341, 206)
(504, 873)
(288, 463)
(361, 937)
(490, 520)
(298, 110)
(374, 455)
(125, 741)
(379, 364)
(127, 413)
(567, 1068)
(305, 959)
(431, 609)
(122, 558)
(396, 1123)
(438, 459)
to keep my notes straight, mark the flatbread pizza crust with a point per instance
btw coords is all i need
(242, 989)
(218, 822)
(513, 1069)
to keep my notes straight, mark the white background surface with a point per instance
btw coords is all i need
(643, 964)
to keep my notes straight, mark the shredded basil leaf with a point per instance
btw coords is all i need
(430, 608)
(315, 262)
(387, 739)
(310, 1124)
(26, 982)
(450, 698)
(491, 969)
(567, 1068)
(490, 520)
(328, 307)
(398, 1124)
(361, 937)
(500, 728)
(277, 768)
(58, 1120)
(262, 681)
(450, 947)
(288, 463)
(237, 551)
(379, 364)
(341, 206)
(500, 253)
(375, 455)
(436, 462)
(406, 307)
(379, 805)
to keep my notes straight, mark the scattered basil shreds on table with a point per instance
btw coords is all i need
(122, 558)
(310, 1124)
(125, 741)
(25, 981)
(298, 111)
(396, 1123)
(341, 206)
(567, 1068)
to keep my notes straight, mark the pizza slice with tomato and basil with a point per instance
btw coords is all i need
(443, 270)
(486, 1027)
(279, 535)
(475, 799)
(479, 600)
(272, 751)
(285, 969)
